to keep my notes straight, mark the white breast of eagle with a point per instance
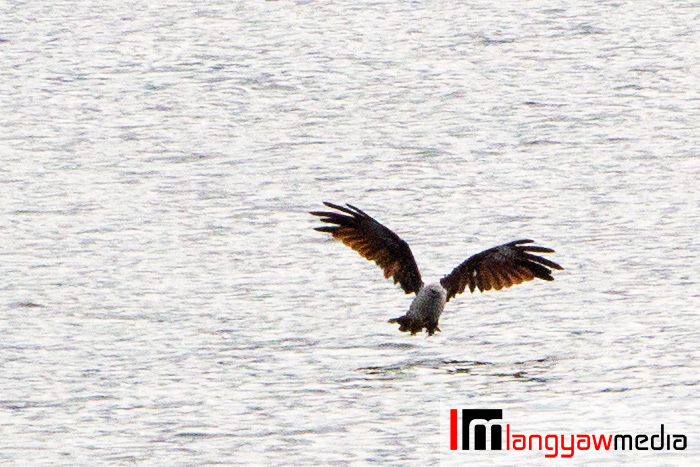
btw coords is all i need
(425, 310)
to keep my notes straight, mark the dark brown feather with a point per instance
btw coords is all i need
(499, 267)
(374, 242)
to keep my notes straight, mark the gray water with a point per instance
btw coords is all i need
(165, 300)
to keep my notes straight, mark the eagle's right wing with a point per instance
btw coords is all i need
(498, 267)
(374, 242)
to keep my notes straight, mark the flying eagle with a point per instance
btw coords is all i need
(495, 268)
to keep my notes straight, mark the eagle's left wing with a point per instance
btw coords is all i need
(373, 241)
(498, 267)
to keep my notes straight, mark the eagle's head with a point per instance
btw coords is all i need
(436, 291)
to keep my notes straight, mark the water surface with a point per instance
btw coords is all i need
(165, 300)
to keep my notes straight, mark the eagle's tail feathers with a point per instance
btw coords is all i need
(407, 324)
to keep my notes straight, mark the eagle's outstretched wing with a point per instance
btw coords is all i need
(499, 267)
(375, 242)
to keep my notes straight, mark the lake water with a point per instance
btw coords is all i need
(165, 300)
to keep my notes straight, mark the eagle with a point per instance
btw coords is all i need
(495, 268)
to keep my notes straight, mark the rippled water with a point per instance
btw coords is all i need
(165, 300)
